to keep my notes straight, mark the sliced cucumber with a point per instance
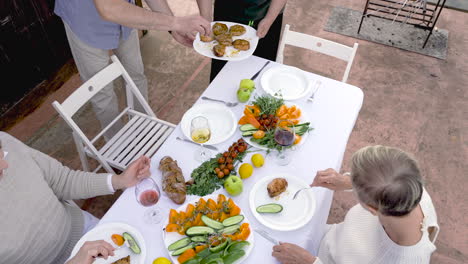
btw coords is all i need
(229, 230)
(199, 239)
(270, 208)
(199, 230)
(248, 133)
(233, 220)
(133, 244)
(247, 127)
(219, 247)
(211, 223)
(182, 250)
(179, 243)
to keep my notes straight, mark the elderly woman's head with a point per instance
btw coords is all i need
(386, 179)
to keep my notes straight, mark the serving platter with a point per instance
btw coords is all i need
(221, 120)
(232, 54)
(171, 237)
(296, 213)
(104, 232)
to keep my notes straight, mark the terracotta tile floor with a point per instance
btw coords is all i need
(411, 101)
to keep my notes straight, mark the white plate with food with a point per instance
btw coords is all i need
(289, 83)
(221, 120)
(127, 232)
(281, 212)
(221, 236)
(240, 41)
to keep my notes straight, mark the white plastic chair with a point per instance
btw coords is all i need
(143, 134)
(324, 46)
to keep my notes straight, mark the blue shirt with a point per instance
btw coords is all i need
(85, 21)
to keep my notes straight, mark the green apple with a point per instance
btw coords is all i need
(247, 84)
(233, 185)
(243, 95)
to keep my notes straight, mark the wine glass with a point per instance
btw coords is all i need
(201, 133)
(147, 194)
(284, 136)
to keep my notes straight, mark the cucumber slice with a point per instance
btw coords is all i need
(219, 247)
(270, 208)
(199, 239)
(247, 127)
(199, 230)
(248, 133)
(133, 244)
(233, 220)
(211, 223)
(179, 243)
(230, 229)
(182, 250)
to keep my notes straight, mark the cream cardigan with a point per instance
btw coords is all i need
(360, 238)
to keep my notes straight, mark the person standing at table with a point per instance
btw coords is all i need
(264, 15)
(95, 27)
(39, 222)
(394, 222)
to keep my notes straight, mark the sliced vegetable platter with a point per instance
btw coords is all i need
(263, 114)
(211, 229)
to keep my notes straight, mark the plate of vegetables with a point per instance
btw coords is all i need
(265, 113)
(128, 243)
(211, 229)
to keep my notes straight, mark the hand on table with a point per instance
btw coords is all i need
(137, 170)
(264, 27)
(91, 250)
(184, 39)
(189, 24)
(332, 180)
(287, 253)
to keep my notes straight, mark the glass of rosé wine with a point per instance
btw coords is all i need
(147, 194)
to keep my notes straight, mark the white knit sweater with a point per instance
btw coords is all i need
(360, 238)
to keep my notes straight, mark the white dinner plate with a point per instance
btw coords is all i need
(232, 54)
(104, 232)
(302, 119)
(221, 119)
(296, 213)
(289, 83)
(171, 237)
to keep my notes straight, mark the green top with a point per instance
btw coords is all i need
(241, 11)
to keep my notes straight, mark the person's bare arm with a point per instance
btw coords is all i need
(206, 9)
(127, 14)
(273, 11)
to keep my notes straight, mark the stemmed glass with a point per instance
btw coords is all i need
(201, 133)
(147, 194)
(284, 136)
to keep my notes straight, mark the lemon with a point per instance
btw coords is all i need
(161, 260)
(245, 170)
(258, 160)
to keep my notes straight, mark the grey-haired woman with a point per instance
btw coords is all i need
(394, 222)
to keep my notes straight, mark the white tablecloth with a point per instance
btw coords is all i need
(332, 114)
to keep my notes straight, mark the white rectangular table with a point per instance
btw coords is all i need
(332, 114)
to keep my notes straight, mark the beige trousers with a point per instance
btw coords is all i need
(90, 60)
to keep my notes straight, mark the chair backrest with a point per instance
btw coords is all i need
(320, 45)
(90, 88)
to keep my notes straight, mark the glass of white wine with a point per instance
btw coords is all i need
(200, 132)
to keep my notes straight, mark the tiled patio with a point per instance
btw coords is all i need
(414, 102)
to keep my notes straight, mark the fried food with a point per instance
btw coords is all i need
(224, 39)
(241, 44)
(219, 28)
(237, 30)
(125, 260)
(173, 181)
(206, 38)
(219, 50)
(277, 187)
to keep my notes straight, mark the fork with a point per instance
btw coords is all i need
(318, 83)
(300, 190)
(229, 104)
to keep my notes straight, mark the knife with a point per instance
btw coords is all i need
(205, 146)
(266, 236)
(256, 75)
